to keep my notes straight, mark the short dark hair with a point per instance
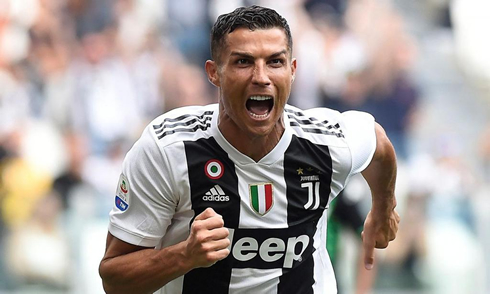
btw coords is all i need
(252, 17)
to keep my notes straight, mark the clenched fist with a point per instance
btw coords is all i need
(208, 240)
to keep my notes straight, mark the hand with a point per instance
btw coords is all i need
(208, 240)
(378, 231)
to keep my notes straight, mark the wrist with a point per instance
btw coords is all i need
(176, 257)
(183, 260)
(386, 207)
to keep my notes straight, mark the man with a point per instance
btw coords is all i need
(231, 197)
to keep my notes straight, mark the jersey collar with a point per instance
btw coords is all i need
(273, 156)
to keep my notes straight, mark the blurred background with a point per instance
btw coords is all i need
(79, 79)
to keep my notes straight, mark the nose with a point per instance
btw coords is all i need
(260, 75)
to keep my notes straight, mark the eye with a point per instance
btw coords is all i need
(242, 61)
(277, 62)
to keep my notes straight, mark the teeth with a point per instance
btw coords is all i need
(259, 116)
(260, 98)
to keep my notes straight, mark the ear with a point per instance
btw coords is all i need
(212, 72)
(293, 69)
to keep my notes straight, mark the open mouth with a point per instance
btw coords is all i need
(259, 106)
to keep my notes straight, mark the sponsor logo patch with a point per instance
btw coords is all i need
(272, 248)
(122, 193)
(121, 204)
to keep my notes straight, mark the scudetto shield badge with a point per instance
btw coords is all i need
(261, 197)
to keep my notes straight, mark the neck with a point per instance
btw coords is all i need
(253, 146)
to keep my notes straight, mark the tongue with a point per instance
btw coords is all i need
(258, 107)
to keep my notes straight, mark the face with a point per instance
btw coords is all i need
(254, 75)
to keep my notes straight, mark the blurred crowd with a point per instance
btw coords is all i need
(79, 79)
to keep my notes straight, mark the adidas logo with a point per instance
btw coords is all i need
(216, 194)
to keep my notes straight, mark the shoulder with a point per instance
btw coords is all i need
(357, 117)
(357, 124)
(184, 123)
(177, 125)
(316, 124)
(330, 127)
(322, 117)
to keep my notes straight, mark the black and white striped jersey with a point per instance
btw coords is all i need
(275, 209)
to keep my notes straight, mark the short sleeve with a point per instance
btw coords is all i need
(144, 203)
(359, 130)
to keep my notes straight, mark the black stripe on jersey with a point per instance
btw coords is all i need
(308, 121)
(298, 281)
(181, 130)
(298, 119)
(316, 131)
(183, 123)
(179, 118)
(214, 279)
(306, 165)
(306, 162)
(200, 122)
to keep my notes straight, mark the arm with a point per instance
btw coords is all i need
(381, 223)
(127, 268)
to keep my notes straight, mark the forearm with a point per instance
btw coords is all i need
(381, 175)
(143, 271)
(128, 268)
(381, 224)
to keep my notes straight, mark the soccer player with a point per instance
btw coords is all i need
(231, 197)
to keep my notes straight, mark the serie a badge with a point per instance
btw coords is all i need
(122, 194)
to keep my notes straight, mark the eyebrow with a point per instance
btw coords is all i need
(250, 56)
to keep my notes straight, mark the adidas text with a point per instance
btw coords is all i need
(216, 193)
(216, 198)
